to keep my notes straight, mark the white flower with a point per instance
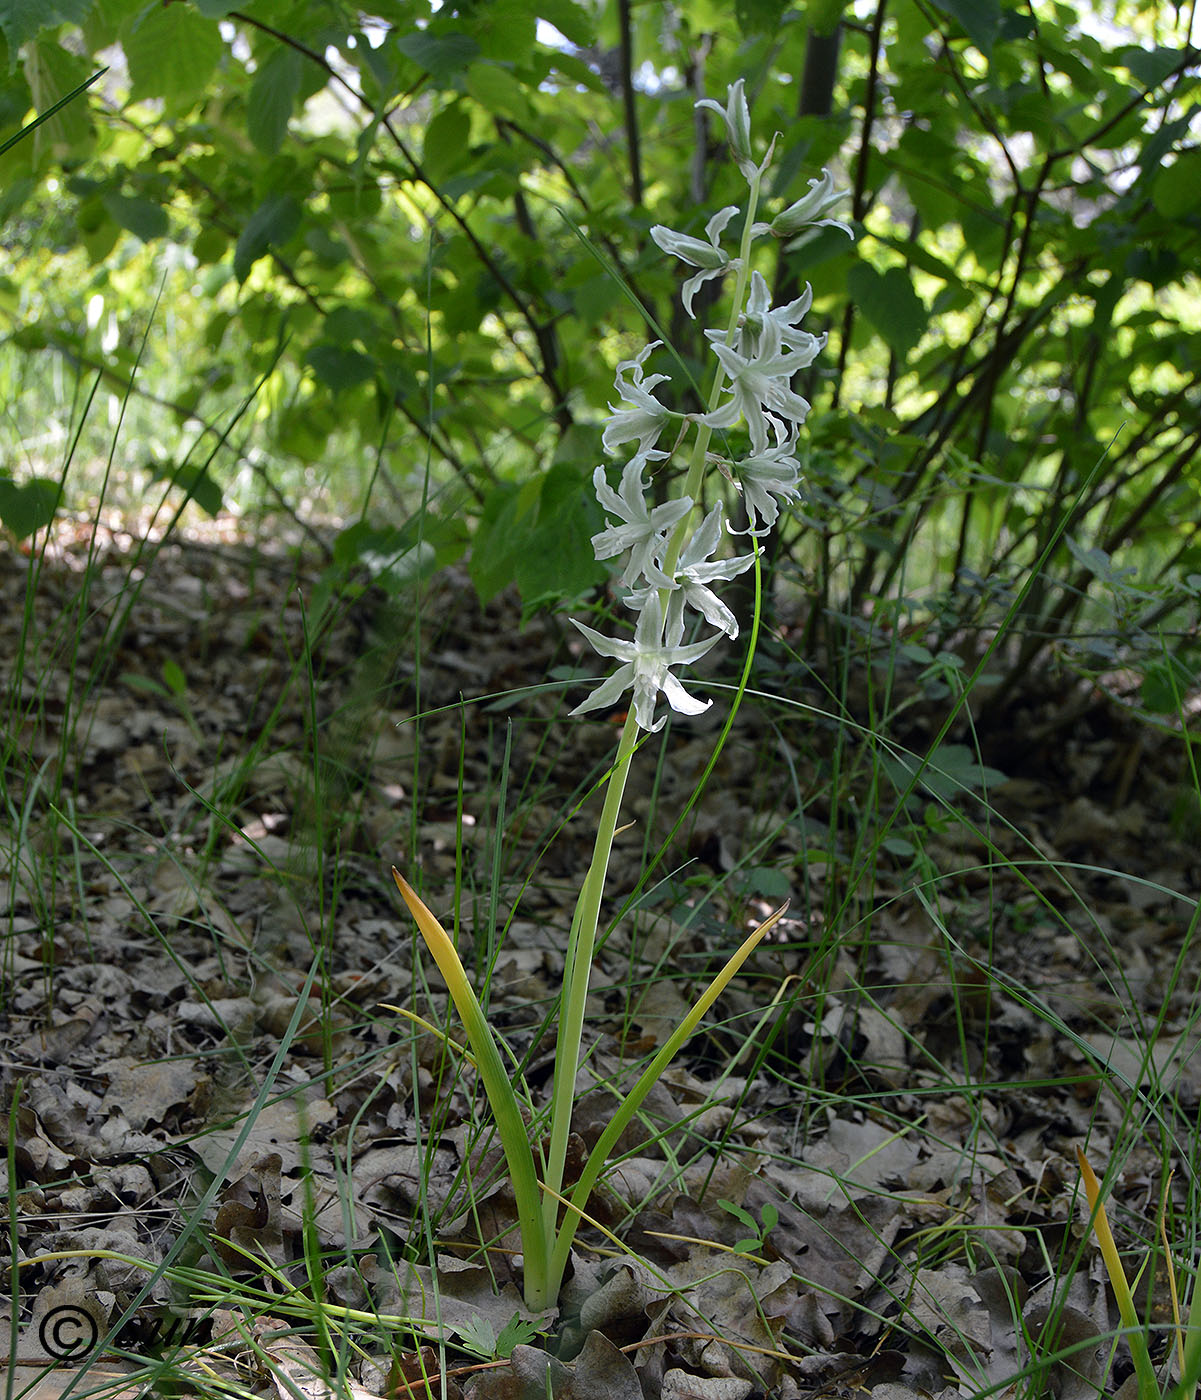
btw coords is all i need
(709, 257)
(783, 320)
(759, 386)
(645, 416)
(758, 358)
(808, 212)
(693, 574)
(646, 666)
(643, 532)
(765, 476)
(737, 117)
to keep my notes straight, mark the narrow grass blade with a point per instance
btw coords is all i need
(30, 127)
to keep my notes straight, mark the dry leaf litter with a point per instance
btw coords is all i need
(196, 873)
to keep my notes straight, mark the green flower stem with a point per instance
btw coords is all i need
(633, 1100)
(581, 947)
(547, 1245)
(582, 942)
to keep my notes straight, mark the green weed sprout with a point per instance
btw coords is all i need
(670, 569)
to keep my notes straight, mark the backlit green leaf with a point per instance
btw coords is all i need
(27, 506)
(498, 90)
(1166, 682)
(1150, 66)
(1174, 190)
(759, 16)
(889, 304)
(53, 73)
(506, 30)
(271, 224)
(823, 16)
(272, 99)
(443, 56)
(140, 216)
(979, 19)
(571, 20)
(172, 52)
(193, 480)
(339, 366)
(446, 145)
(22, 20)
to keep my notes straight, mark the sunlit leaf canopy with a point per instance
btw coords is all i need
(381, 263)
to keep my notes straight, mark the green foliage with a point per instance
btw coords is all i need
(196, 482)
(427, 234)
(27, 506)
(890, 305)
(538, 536)
(172, 52)
(477, 1335)
(21, 20)
(980, 20)
(759, 1230)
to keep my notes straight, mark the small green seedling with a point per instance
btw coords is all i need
(173, 687)
(769, 1218)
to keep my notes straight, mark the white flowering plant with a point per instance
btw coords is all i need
(671, 566)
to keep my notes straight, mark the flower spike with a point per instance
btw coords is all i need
(669, 571)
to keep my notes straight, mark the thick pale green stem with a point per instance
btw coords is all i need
(633, 1101)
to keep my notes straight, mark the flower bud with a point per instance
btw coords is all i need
(737, 117)
(810, 210)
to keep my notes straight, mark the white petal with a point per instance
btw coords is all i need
(711, 608)
(609, 692)
(694, 251)
(811, 209)
(717, 224)
(607, 646)
(679, 699)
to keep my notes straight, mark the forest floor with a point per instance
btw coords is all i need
(860, 1177)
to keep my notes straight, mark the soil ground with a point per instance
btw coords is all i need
(871, 1187)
